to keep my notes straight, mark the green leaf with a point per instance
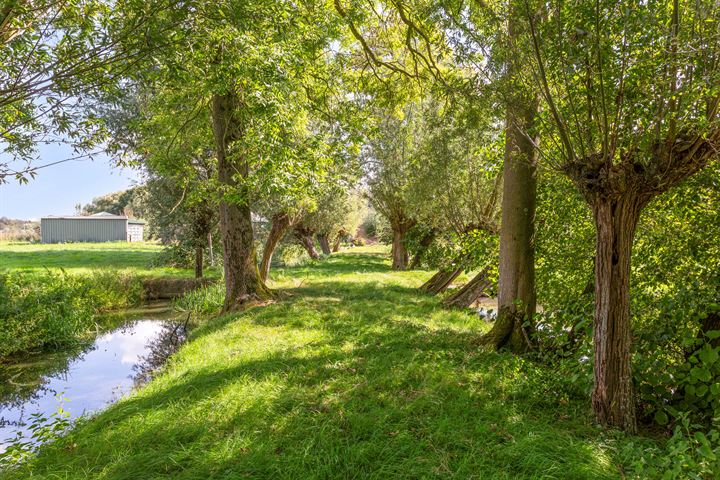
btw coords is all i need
(701, 373)
(712, 334)
(661, 417)
(708, 355)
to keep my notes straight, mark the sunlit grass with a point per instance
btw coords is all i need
(353, 375)
(85, 257)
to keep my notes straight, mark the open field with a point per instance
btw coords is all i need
(354, 374)
(85, 257)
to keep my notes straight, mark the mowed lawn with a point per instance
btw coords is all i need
(353, 374)
(85, 257)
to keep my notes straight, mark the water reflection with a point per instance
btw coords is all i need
(89, 379)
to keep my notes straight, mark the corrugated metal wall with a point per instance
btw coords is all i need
(60, 230)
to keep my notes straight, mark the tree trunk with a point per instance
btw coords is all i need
(400, 256)
(305, 237)
(425, 243)
(612, 398)
(470, 293)
(280, 225)
(516, 294)
(338, 240)
(242, 278)
(440, 281)
(516, 289)
(198, 261)
(324, 242)
(211, 254)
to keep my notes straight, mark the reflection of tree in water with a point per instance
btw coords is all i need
(27, 379)
(159, 350)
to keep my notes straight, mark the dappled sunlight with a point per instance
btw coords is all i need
(342, 378)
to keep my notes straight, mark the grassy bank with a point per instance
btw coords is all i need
(54, 309)
(52, 296)
(354, 375)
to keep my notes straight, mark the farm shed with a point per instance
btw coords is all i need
(101, 227)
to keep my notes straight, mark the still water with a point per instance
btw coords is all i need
(85, 381)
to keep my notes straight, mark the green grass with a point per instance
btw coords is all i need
(85, 257)
(54, 296)
(354, 375)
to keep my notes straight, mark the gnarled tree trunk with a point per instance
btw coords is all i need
(305, 238)
(440, 281)
(280, 226)
(615, 222)
(400, 255)
(470, 292)
(338, 240)
(242, 278)
(324, 242)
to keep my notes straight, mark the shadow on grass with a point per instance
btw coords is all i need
(345, 379)
(338, 264)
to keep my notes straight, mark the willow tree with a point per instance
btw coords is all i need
(456, 192)
(466, 50)
(180, 170)
(632, 98)
(244, 64)
(389, 169)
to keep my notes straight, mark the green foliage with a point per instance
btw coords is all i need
(203, 301)
(128, 202)
(43, 430)
(292, 255)
(688, 454)
(52, 310)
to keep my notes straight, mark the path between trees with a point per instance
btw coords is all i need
(355, 374)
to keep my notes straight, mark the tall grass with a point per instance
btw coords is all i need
(203, 301)
(54, 309)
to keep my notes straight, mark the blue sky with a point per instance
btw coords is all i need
(57, 189)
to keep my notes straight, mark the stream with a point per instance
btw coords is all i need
(84, 380)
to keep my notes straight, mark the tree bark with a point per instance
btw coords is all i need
(280, 226)
(440, 281)
(211, 254)
(400, 256)
(338, 240)
(242, 278)
(516, 293)
(615, 218)
(470, 293)
(516, 289)
(324, 242)
(198, 261)
(425, 243)
(305, 237)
